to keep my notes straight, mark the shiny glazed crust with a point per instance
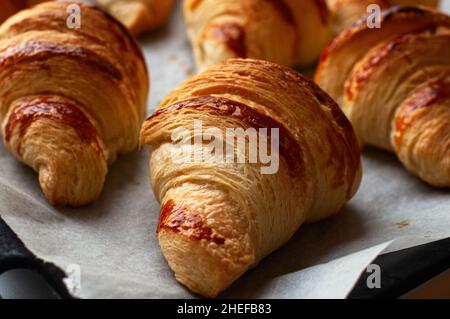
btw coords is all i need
(220, 219)
(376, 74)
(70, 99)
(10, 7)
(287, 32)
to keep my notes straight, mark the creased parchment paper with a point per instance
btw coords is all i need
(114, 240)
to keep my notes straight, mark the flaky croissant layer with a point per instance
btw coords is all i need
(10, 7)
(288, 32)
(393, 85)
(70, 99)
(220, 217)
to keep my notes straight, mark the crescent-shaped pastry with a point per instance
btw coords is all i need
(71, 100)
(288, 32)
(393, 84)
(221, 217)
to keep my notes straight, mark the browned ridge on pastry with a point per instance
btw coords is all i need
(186, 223)
(284, 10)
(233, 35)
(71, 100)
(392, 83)
(10, 7)
(138, 15)
(228, 108)
(220, 218)
(36, 50)
(324, 11)
(53, 108)
(288, 32)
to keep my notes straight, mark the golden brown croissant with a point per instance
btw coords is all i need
(393, 84)
(345, 12)
(138, 15)
(219, 218)
(288, 32)
(70, 99)
(10, 7)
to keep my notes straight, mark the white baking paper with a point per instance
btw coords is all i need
(112, 243)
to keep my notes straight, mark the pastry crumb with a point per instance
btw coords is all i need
(189, 72)
(402, 224)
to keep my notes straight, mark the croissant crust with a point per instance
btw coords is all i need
(392, 83)
(219, 219)
(70, 99)
(222, 29)
(10, 7)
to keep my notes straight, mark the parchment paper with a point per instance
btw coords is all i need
(114, 241)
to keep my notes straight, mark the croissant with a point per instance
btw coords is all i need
(220, 216)
(393, 85)
(138, 15)
(70, 99)
(345, 12)
(288, 32)
(10, 7)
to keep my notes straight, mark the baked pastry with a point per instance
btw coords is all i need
(392, 83)
(221, 217)
(138, 15)
(70, 99)
(288, 32)
(9, 7)
(345, 12)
